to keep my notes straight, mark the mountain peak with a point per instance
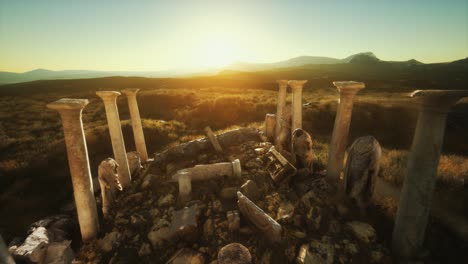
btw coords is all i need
(362, 56)
(39, 70)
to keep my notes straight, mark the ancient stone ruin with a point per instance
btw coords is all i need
(243, 196)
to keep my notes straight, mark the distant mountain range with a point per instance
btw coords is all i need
(365, 58)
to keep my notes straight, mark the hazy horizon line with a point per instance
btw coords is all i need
(215, 68)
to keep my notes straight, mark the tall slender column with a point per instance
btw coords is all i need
(70, 112)
(296, 87)
(339, 139)
(283, 85)
(419, 183)
(115, 130)
(136, 123)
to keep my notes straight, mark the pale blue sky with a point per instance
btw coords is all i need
(159, 35)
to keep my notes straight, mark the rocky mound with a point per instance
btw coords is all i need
(151, 224)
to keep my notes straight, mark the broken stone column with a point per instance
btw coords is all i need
(301, 150)
(270, 124)
(136, 123)
(70, 111)
(339, 139)
(211, 171)
(418, 186)
(296, 88)
(361, 170)
(110, 185)
(115, 130)
(267, 225)
(214, 141)
(283, 85)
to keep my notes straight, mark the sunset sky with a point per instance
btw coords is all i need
(161, 35)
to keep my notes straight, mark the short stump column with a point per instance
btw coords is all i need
(296, 87)
(70, 112)
(115, 130)
(419, 183)
(136, 123)
(339, 139)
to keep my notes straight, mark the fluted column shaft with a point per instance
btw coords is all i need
(115, 130)
(70, 111)
(341, 128)
(283, 85)
(136, 123)
(418, 187)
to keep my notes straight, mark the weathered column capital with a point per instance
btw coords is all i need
(282, 83)
(296, 84)
(130, 91)
(349, 87)
(437, 100)
(68, 104)
(70, 111)
(108, 95)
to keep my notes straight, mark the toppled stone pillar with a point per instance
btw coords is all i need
(418, 186)
(214, 141)
(267, 225)
(70, 111)
(270, 124)
(110, 185)
(361, 170)
(283, 85)
(136, 123)
(339, 139)
(211, 171)
(115, 130)
(296, 87)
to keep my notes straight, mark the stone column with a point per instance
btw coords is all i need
(115, 130)
(136, 123)
(339, 139)
(296, 87)
(270, 124)
(283, 85)
(70, 112)
(419, 183)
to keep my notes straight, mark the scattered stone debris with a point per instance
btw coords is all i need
(187, 256)
(363, 231)
(234, 253)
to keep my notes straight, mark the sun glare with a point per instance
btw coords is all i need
(217, 52)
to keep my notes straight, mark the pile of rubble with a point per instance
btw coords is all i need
(295, 221)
